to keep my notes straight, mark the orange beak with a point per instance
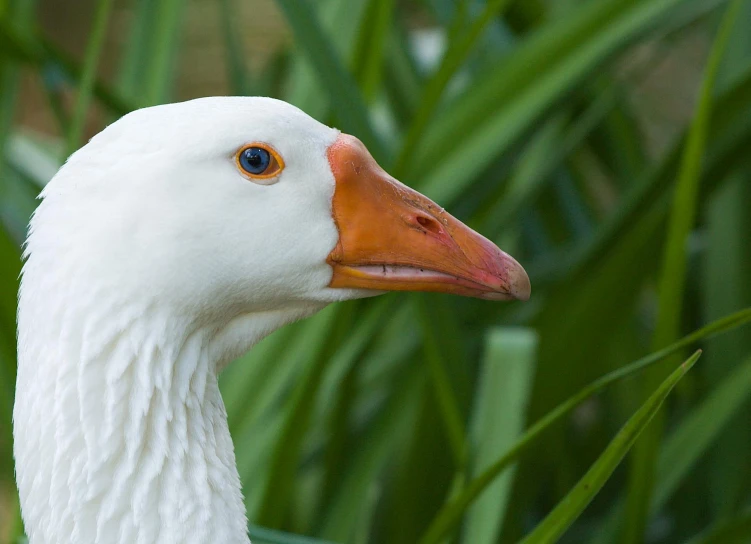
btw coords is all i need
(392, 238)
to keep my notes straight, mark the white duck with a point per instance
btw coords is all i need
(165, 248)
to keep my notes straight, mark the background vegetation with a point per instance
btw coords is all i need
(605, 143)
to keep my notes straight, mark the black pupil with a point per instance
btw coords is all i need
(255, 160)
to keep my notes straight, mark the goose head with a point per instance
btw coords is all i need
(164, 248)
(223, 206)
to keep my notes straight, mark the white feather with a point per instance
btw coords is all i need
(150, 264)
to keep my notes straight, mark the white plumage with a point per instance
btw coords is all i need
(151, 263)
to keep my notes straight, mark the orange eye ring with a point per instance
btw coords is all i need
(259, 161)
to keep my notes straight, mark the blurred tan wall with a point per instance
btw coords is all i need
(202, 70)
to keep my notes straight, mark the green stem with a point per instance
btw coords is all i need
(88, 77)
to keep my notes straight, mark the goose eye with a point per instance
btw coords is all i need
(259, 161)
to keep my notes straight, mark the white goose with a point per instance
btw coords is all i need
(165, 248)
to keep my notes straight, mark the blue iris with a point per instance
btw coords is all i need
(255, 160)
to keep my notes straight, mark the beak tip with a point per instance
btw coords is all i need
(517, 285)
(521, 288)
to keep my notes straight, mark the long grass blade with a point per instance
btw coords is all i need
(566, 512)
(502, 106)
(338, 82)
(161, 60)
(673, 280)
(389, 428)
(727, 265)
(498, 420)
(233, 46)
(149, 66)
(459, 48)
(698, 431)
(686, 446)
(371, 44)
(339, 22)
(452, 512)
(437, 363)
(86, 83)
(286, 456)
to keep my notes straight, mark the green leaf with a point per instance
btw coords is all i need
(150, 62)
(549, 138)
(451, 513)
(339, 21)
(349, 104)
(727, 268)
(402, 79)
(534, 171)
(86, 83)
(437, 359)
(342, 382)
(500, 406)
(686, 192)
(236, 68)
(727, 265)
(459, 48)
(499, 108)
(257, 389)
(699, 430)
(686, 446)
(729, 133)
(566, 512)
(250, 388)
(286, 455)
(358, 478)
(371, 43)
(673, 279)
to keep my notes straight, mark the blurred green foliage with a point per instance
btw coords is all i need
(559, 129)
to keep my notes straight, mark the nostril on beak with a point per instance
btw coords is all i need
(428, 223)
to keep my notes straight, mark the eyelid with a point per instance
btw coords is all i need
(276, 164)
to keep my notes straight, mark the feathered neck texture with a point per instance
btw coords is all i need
(120, 431)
